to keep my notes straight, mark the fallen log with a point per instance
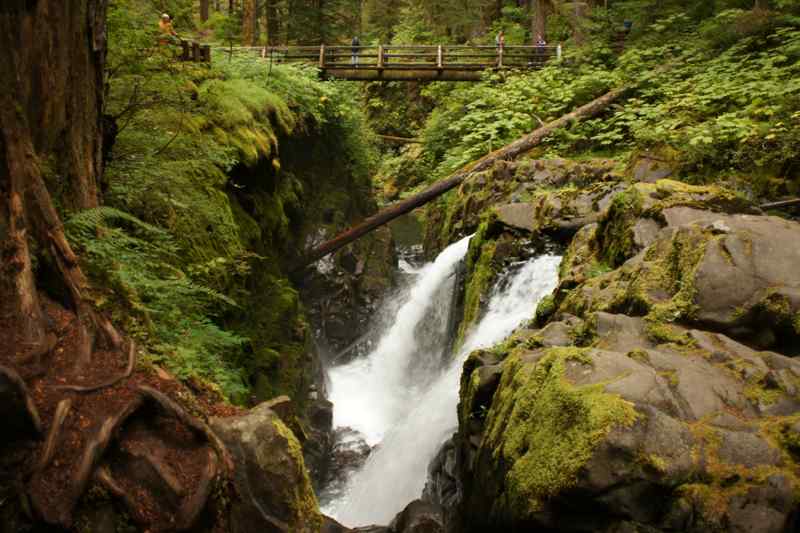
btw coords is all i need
(508, 152)
(782, 203)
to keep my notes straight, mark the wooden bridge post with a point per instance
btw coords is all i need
(500, 56)
(322, 56)
(380, 56)
(205, 53)
(185, 52)
(439, 59)
(196, 52)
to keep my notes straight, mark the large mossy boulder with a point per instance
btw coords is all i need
(657, 439)
(659, 392)
(736, 274)
(271, 479)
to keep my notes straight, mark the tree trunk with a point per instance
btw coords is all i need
(508, 152)
(249, 14)
(540, 18)
(273, 22)
(204, 8)
(52, 54)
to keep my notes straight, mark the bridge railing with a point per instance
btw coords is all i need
(416, 57)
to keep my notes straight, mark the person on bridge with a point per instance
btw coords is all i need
(540, 48)
(355, 44)
(168, 34)
(500, 43)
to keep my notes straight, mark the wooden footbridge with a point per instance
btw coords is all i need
(408, 62)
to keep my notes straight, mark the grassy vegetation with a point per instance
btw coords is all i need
(208, 194)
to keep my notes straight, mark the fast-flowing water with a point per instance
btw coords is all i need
(402, 398)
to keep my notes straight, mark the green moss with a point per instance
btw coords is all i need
(724, 481)
(639, 355)
(545, 309)
(304, 503)
(543, 429)
(584, 333)
(615, 231)
(661, 332)
(480, 274)
(653, 461)
(761, 396)
(671, 376)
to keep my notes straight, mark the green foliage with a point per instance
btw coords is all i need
(476, 119)
(202, 212)
(162, 306)
(721, 89)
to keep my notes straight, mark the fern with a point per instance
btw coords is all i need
(164, 308)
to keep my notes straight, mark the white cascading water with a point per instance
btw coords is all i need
(384, 397)
(370, 394)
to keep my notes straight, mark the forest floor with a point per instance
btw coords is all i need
(140, 439)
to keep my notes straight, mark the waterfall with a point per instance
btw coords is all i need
(400, 400)
(370, 394)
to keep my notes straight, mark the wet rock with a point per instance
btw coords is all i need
(343, 292)
(419, 517)
(348, 453)
(443, 486)
(318, 439)
(330, 525)
(271, 479)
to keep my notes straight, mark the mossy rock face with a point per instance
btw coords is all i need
(645, 436)
(629, 226)
(270, 477)
(735, 273)
(520, 182)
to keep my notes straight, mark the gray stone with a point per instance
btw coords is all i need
(419, 517)
(644, 232)
(748, 449)
(621, 333)
(517, 215)
(270, 478)
(757, 259)
(556, 334)
(651, 170)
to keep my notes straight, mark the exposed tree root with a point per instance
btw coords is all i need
(112, 381)
(193, 506)
(53, 436)
(40, 350)
(175, 410)
(94, 451)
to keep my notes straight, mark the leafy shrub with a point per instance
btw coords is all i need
(161, 306)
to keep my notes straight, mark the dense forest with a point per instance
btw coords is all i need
(174, 360)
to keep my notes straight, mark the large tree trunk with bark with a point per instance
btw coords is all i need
(52, 54)
(542, 10)
(249, 15)
(273, 22)
(508, 152)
